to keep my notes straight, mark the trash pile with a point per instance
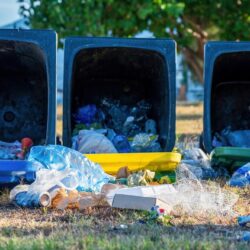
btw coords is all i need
(67, 179)
(115, 128)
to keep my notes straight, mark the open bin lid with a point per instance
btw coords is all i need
(230, 157)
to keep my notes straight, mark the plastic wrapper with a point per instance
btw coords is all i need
(91, 142)
(198, 163)
(81, 173)
(196, 196)
(241, 177)
(9, 150)
(187, 196)
(145, 143)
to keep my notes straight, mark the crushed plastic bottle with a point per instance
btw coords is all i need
(130, 128)
(150, 127)
(241, 177)
(89, 176)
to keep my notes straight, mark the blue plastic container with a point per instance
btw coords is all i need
(13, 172)
(227, 88)
(129, 70)
(27, 91)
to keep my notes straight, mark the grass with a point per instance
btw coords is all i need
(100, 228)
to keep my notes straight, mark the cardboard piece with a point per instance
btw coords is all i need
(142, 198)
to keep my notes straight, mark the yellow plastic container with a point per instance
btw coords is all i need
(136, 161)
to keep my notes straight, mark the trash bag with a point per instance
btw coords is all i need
(237, 138)
(241, 177)
(90, 176)
(88, 114)
(91, 142)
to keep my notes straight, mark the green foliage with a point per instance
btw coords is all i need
(190, 22)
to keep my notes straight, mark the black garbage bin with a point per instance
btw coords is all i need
(27, 85)
(27, 94)
(129, 70)
(227, 88)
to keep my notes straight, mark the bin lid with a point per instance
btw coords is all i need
(230, 157)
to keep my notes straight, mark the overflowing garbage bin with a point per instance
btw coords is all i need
(227, 92)
(27, 95)
(120, 92)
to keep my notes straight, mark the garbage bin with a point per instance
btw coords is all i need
(126, 69)
(28, 87)
(129, 70)
(227, 88)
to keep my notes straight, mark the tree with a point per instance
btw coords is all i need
(190, 22)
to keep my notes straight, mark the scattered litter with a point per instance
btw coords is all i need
(195, 196)
(246, 236)
(123, 172)
(188, 194)
(67, 179)
(90, 176)
(120, 227)
(198, 163)
(140, 178)
(156, 215)
(244, 221)
(19, 195)
(140, 198)
(26, 144)
(241, 177)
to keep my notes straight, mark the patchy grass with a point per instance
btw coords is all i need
(99, 228)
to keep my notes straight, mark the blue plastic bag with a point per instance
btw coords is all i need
(241, 177)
